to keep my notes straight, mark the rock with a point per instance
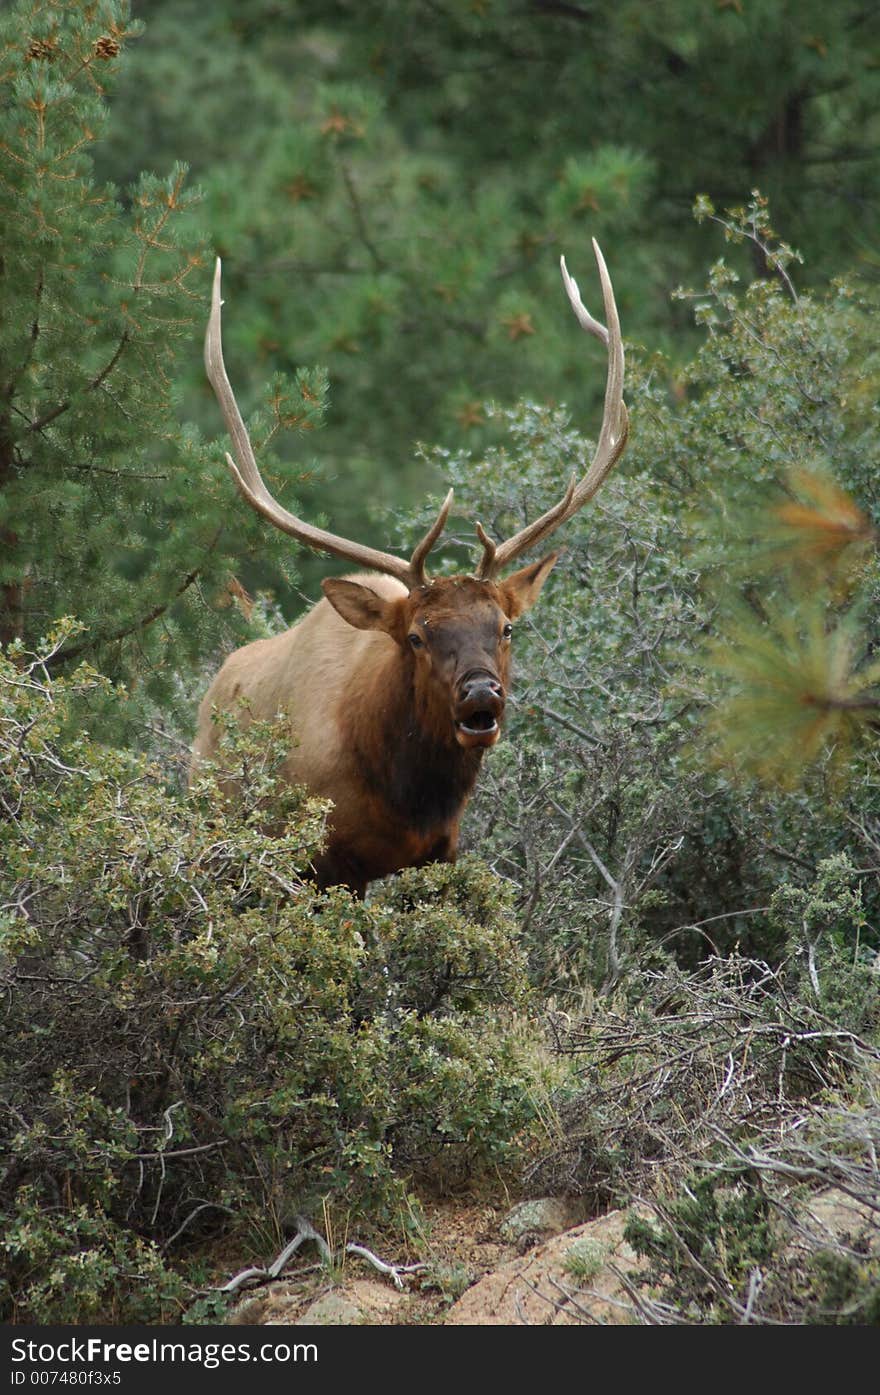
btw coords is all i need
(356, 1303)
(532, 1220)
(362, 1301)
(334, 1309)
(263, 1306)
(565, 1280)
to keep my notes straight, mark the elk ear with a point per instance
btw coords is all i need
(521, 589)
(361, 606)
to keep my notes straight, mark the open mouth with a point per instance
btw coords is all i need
(478, 729)
(478, 723)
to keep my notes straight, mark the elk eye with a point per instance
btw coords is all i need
(416, 641)
(507, 631)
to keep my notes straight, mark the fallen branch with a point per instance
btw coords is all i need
(396, 1271)
(306, 1231)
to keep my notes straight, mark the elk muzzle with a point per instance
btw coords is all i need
(479, 710)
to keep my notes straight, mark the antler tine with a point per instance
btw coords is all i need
(615, 419)
(487, 563)
(612, 437)
(497, 555)
(253, 488)
(584, 318)
(420, 553)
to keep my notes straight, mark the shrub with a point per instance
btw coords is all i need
(194, 1039)
(736, 1110)
(678, 1060)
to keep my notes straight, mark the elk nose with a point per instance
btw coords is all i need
(481, 688)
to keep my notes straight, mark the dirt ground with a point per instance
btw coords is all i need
(534, 1263)
(485, 1264)
(461, 1243)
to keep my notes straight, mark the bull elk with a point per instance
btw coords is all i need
(395, 684)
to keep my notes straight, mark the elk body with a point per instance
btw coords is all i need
(395, 685)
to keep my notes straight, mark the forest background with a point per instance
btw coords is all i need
(682, 824)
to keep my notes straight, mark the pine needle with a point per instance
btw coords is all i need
(798, 690)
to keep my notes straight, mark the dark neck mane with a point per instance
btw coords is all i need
(423, 777)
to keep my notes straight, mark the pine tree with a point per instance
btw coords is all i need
(110, 509)
(391, 186)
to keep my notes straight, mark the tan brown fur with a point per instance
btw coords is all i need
(373, 720)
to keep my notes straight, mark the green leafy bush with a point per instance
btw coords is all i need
(193, 1038)
(714, 1236)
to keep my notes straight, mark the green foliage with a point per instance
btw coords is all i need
(457, 949)
(675, 1060)
(584, 1259)
(843, 1290)
(752, 1244)
(390, 186)
(193, 1038)
(451, 1280)
(110, 507)
(195, 1042)
(799, 688)
(824, 925)
(716, 1234)
(832, 905)
(737, 1114)
(787, 529)
(72, 1264)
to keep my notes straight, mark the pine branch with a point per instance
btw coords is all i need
(360, 221)
(34, 336)
(65, 655)
(90, 387)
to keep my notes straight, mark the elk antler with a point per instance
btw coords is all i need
(612, 437)
(250, 482)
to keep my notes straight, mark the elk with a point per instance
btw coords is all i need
(395, 684)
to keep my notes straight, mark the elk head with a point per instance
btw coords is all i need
(454, 631)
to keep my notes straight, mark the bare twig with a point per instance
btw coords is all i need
(306, 1231)
(395, 1271)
